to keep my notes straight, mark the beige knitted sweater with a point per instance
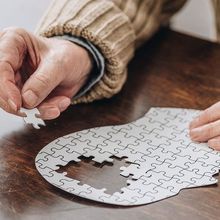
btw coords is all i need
(115, 27)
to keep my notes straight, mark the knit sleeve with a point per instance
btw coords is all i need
(115, 27)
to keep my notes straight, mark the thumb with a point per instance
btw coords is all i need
(40, 84)
(51, 108)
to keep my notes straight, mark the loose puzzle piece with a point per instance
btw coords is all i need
(31, 117)
(163, 160)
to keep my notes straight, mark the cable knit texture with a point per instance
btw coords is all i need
(115, 27)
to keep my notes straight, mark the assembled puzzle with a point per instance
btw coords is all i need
(161, 158)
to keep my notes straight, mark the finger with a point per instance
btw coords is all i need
(6, 107)
(215, 143)
(13, 97)
(52, 108)
(209, 115)
(205, 132)
(40, 84)
(9, 92)
(12, 50)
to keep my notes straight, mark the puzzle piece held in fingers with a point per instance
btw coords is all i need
(31, 117)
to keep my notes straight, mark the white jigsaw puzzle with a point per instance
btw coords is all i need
(31, 117)
(162, 158)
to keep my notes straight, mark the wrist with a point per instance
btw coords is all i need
(79, 56)
(97, 59)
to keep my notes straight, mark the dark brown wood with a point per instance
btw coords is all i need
(172, 70)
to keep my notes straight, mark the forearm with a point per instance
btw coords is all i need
(115, 28)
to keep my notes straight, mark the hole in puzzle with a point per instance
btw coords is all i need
(104, 175)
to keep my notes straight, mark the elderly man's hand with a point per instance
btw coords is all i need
(206, 127)
(40, 72)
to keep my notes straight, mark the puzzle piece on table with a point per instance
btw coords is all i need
(162, 160)
(31, 117)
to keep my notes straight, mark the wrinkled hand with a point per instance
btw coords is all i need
(40, 72)
(206, 127)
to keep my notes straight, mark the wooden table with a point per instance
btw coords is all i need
(171, 70)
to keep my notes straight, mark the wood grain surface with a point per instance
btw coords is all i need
(172, 70)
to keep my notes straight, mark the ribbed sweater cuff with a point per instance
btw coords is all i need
(103, 24)
(98, 67)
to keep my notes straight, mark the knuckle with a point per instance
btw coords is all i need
(14, 30)
(14, 34)
(18, 39)
(43, 80)
(206, 115)
(210, 131)
(13, 39)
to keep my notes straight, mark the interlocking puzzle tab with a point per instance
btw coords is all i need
(31, 117)
(163, 159)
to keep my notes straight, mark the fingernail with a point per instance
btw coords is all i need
(64, 104)
(22, 114)
(12, 105)
(30, 98)
(214, 144)
(193, 123)
(196, 133)
(193, 134)
(52, 113)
